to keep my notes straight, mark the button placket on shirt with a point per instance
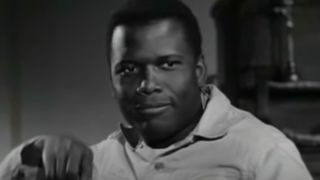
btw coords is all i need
(154, 170)
(153, 159)
(158, 166)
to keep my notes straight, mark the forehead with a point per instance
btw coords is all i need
(148, 31)
(165, 36)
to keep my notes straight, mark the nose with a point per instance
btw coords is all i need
(149, 83)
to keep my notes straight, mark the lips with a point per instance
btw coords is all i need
(152, 109)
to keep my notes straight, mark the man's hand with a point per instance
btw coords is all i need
(64, 158)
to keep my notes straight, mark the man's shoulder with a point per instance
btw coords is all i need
(115, 138)
(261, 139)
(267, 147)
(108, 149)
(253, 130)
(250, 130)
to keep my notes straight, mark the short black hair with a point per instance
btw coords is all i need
(139, 12)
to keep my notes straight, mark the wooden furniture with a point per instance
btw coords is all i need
(257, 52)
(269, 64)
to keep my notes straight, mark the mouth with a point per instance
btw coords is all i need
(152, 109)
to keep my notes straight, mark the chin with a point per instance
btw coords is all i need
(157, 129)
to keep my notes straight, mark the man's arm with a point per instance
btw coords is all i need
(12, 163)
(55, 157)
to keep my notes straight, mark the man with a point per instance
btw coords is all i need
(178, 127)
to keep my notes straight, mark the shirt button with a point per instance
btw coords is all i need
(158, 166)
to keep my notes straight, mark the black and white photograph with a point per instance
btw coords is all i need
(160, 90)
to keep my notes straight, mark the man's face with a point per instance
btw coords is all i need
(156, 76)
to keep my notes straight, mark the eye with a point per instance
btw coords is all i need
(127, 69)
(169, 64)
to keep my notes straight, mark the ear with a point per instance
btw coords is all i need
(201, 71)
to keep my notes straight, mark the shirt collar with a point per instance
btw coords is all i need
(214, 122)
(212, 125)
(131, 135)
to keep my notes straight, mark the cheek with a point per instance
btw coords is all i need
(182, 84)
(123, 88)
(124, 92)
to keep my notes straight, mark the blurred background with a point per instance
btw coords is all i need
(54, 79)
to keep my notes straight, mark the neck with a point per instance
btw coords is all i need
(180, 135)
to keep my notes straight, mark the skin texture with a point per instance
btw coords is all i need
(156, 78)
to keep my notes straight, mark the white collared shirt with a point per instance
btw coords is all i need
(227, 144)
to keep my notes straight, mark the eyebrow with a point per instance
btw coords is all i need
(170, 55)
(137, 62)
(126, 62)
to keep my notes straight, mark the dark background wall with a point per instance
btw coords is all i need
(53, 71)
(4, 101)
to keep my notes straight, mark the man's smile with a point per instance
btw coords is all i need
(152, 109)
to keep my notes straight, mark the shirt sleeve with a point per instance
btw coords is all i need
(12, 168)
(282, 162)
